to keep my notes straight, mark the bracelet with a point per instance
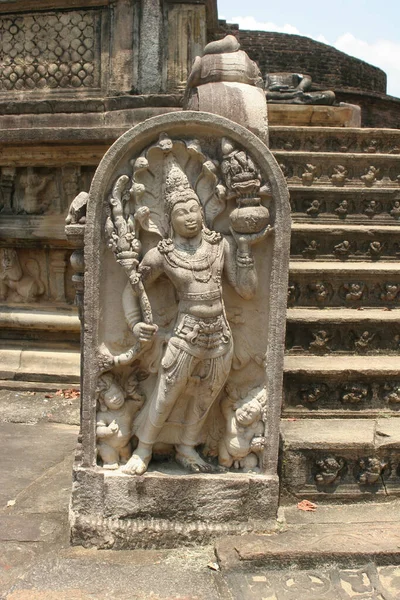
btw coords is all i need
(244, 260)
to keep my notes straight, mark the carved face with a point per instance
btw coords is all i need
(187, 218)
(248, 414)
(113, 397)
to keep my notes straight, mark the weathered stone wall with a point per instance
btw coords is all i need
(74, 75)
(330, 68)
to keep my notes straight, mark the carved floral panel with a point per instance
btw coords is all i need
(49, 50)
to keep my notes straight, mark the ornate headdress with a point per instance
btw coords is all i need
(176, 186)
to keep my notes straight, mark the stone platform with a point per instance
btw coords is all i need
(37, 563)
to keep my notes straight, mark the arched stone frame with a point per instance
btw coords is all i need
(132, 143)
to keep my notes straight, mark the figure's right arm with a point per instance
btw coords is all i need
(151, 268)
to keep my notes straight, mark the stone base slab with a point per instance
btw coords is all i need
(39, 363)
(344, 115)
(166, 509)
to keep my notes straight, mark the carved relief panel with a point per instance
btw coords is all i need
(40, 190)
(50, 50)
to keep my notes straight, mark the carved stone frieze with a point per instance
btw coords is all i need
(341, 472)
(339, 204)
(311, 291)
(40, 190)
(319, 170)
(333, 397)
(343, 337)
(49, 51)
(20, 280)
(324, 140)
(346, 245)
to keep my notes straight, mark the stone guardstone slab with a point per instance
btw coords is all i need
(186, 253)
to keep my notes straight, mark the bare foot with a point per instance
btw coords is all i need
(189, 458)
(138, 462)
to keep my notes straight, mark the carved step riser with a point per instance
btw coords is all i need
(339, 170)
(350, 290)
(345, 206)
(343, 246)
(346, 141)
(354, 473)
(319, 396)
(325, 338)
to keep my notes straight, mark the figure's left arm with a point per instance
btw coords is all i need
(239, 264)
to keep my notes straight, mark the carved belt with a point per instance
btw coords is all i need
(213, 295)
(204, 332)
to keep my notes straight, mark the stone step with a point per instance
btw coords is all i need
(335, 139)
(353, 284)
(341, 458)
(346, 331)
(337, 206)
(347, 545)
(344, 386)
(345, 242)
(45, 362)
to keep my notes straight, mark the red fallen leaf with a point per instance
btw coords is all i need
(48, 395)
(59, 393)
(307, 506)
(71, 393)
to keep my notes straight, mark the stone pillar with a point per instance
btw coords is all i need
(7, 187)
(187, 36)
(150, 47)
(122, 44)
(58, 265)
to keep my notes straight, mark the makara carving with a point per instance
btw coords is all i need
(188, 348)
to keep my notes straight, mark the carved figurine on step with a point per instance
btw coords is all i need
(314, 209)
(342, 250)
(309, 174)
(392, 393)
(320, 343)
(371, 470)
(342, 210)
(395, 211)
(311, 250)
(339, 175)
(329, 469)
(15, 285)
(390, 292)
(371, 175)
(363, 342)
(372, 208)
(243, 440)
(354, 291)
(354, 393)
(320, 291)
(114, 420)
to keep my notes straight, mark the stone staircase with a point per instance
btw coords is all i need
(341, 409)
